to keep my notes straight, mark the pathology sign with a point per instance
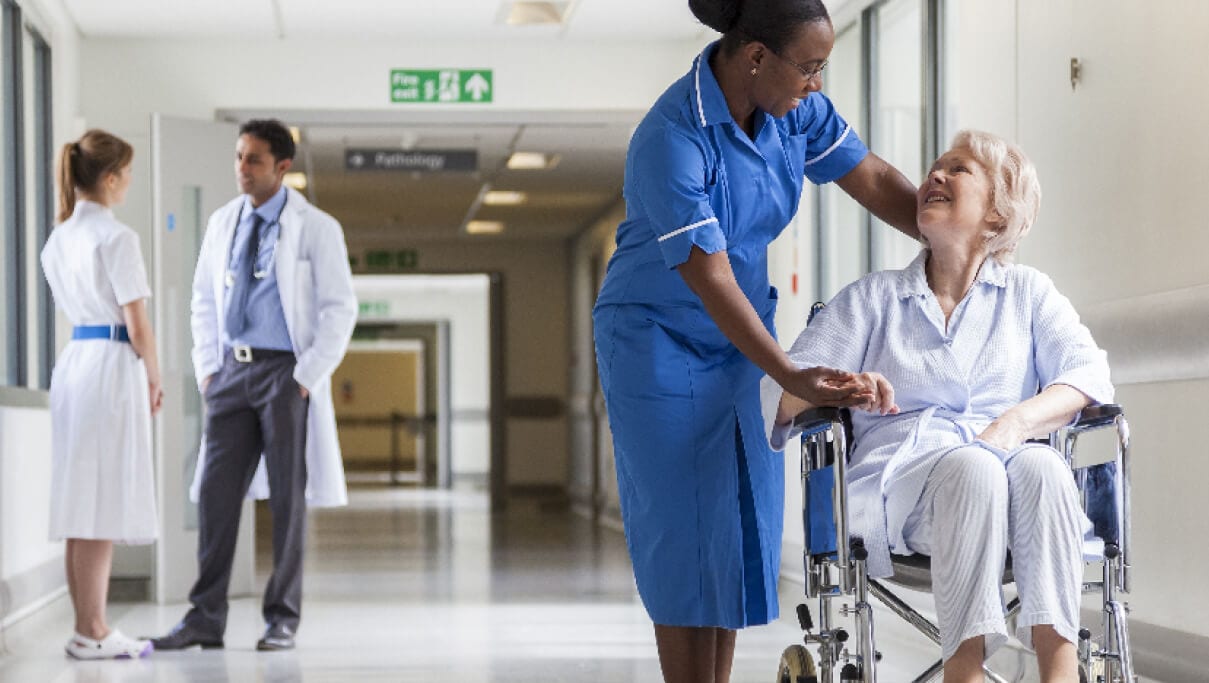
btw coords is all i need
(441, 85)
(429, 160)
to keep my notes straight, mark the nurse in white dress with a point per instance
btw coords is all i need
(104, 390)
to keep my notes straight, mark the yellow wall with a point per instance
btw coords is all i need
(373, 384)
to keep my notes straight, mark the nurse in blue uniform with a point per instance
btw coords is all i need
(683, 323)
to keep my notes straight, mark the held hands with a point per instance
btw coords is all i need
(819, 386)
(881, 394)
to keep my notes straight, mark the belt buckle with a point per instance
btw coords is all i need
(243, 353)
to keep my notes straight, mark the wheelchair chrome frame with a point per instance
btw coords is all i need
(843, 574)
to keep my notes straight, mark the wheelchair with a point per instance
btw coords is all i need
(836, 570)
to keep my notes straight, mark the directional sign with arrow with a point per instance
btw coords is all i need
(441, 85)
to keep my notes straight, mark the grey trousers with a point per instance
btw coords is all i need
(251, 408)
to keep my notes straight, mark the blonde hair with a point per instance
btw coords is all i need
(1015, 190)
(83, 164)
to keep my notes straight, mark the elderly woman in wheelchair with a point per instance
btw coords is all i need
(965, 357)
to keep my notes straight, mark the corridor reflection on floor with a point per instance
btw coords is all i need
(410, 585)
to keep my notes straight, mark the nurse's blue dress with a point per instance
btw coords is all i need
(701, 491)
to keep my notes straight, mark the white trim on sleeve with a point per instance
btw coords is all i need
(687, 228)
(697, 76)
(831, 149)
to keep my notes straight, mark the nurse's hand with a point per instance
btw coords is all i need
(821, 386)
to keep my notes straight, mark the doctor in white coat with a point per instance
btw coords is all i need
(272, 314)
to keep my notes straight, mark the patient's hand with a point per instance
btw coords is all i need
(880, 392)
(1005, 432)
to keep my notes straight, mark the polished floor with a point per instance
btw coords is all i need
(407, 585)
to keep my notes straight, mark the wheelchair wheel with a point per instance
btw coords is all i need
(797, 666)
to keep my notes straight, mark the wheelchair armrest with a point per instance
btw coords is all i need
(817, 420)
(1100, 415)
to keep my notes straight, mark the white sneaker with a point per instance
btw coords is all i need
(116, 645)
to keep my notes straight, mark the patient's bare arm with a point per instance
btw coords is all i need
(1035, 417)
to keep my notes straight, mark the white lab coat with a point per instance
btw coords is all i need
(316, 288)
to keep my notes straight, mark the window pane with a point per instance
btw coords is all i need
(8, 175)
(45, 211)
(28, 288)
(39, 185)
(898, 115)
(842, 235)
(948, 72)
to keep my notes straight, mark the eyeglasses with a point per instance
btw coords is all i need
(808, 74)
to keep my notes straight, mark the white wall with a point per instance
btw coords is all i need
(196, 77)
(591, 471)
(1121, 231)
(1121, 164)
(30, 566)
(29, 563)
(463, 301)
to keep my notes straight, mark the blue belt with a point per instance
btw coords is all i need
(113, 332)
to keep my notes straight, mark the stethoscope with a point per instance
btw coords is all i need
(259, 274)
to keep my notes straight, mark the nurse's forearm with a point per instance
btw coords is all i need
(790, 407)
(885, 191)
(712, 280)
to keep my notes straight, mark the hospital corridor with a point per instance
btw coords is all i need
(468, 341)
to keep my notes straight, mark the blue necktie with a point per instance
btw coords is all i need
(237, 299)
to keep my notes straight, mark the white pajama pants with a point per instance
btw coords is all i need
(973, 508)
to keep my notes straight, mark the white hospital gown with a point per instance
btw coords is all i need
(1011, 336)
(103, 484)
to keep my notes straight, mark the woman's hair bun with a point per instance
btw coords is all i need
(720, 15)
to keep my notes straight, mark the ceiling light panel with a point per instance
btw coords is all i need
(504, 198)
(484, 227)
(532, 161)
(526, 13)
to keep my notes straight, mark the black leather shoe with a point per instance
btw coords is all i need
(276, 637)
(185, 636)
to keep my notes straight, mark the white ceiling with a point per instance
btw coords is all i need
(393, 207)
(432, 19)
(386, 206)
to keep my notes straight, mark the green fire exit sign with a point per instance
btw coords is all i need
(441, 85)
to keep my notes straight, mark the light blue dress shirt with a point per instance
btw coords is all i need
(266, 328)
(1011, 336)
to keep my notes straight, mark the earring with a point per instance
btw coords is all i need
(754, 70)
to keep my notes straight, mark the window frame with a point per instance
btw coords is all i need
(934, 126)
(12, 94)
(27, 199)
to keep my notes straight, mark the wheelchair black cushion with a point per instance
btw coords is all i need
(915, 571)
